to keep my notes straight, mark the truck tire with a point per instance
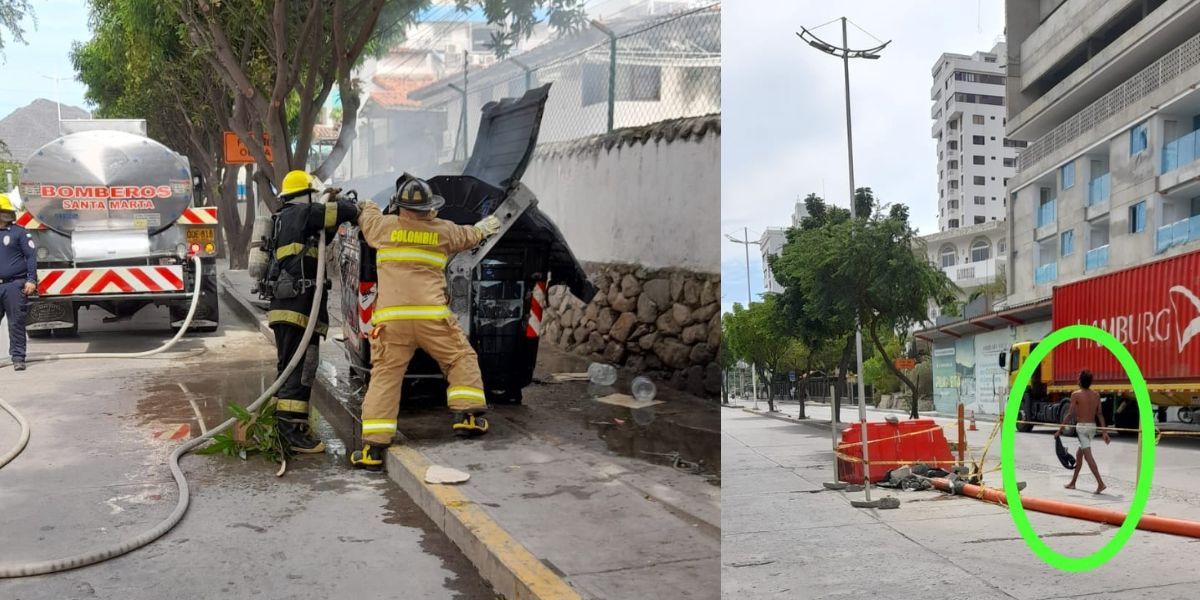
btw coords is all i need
(209, 307)
(1023, 415)
(1185, 414)
(507, 397)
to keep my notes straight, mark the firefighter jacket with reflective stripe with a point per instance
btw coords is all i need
(413, 251)
(300, 223)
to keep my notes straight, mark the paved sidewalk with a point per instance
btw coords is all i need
(784, 536)
(579, 486)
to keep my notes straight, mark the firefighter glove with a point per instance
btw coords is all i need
(489, 226)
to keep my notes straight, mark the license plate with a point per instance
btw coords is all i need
(201, 235)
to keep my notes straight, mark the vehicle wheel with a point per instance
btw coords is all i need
(1185, 414)
(1023, 415)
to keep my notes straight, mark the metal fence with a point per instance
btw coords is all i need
(624, 73)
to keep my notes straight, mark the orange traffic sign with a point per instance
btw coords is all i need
(236, 152)
(905, 364)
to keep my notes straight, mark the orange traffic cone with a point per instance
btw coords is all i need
(972, 427)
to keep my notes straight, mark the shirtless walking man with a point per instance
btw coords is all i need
(1085, 405)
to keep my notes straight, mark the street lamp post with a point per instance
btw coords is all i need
(846, 53)
(749, 299)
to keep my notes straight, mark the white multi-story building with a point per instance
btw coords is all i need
(1105, 94)
(771, 244)
(975, 160)
(971, 256)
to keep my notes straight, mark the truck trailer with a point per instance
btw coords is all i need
(1153, 309)
(114, 218)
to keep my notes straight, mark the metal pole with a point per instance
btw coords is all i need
(612, 81)
(465, 129)
(749, 301)
(862, 406)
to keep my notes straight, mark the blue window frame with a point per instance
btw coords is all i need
(1067, 175)
(1138, 140)
(1067, 245)
(1137, 217)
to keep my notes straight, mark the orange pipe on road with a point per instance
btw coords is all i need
(1075, 511)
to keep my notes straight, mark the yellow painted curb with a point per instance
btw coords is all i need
(514, 572)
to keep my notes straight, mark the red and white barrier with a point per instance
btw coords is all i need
(536, 304)
(110, 280)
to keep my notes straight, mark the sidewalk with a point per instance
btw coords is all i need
(568, 497)
(785, 536)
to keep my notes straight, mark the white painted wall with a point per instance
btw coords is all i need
(656, 204)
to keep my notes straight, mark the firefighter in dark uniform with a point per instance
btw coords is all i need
(299, 223)
(18, 278)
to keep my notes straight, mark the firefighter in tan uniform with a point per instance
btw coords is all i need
(412, 311)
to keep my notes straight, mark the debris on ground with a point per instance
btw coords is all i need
(628, 401)
(678, 462)
(836, 485)
(567, 377)
(438, 474)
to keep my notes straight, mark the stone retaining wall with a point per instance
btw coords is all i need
(666, 323)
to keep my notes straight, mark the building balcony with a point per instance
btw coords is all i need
(1176, 234)
(969, 275)
(1099, 190)
(1045, 273)
(1095, 259)
(1047, 213)
(1179, 152)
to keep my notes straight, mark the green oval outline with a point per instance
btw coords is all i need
(1008, 429)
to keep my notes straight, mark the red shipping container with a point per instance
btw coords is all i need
(907, 442)
(1153, 309)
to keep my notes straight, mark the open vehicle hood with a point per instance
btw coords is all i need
(507, 136)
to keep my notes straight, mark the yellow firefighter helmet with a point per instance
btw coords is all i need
(296, 183)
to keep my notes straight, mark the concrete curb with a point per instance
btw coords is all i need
(514, 572)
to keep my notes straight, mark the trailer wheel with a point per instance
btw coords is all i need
(1185, 414)
(1023, 415)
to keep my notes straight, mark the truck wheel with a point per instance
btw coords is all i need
(1185, 414)
(1023, 415)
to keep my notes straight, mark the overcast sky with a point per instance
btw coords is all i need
(784, 130)
(25, 67)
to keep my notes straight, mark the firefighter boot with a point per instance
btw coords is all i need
(369, 458)
(469, 424)
(298, 436)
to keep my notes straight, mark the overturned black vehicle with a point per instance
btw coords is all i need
(497, 290)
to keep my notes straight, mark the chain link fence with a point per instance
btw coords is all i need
(624, 73)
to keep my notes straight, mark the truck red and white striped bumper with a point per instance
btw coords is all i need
(110, 280)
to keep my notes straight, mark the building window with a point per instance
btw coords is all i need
(1009, 162)
(979, 77)
(1137, 217)
(977, 119)
(954, 184)
(1005, 182)
(952, 164)
(1138, 142)
(953, 145)
(978, 140)
(979, 200)
(978, 160)
(949, 253)
(1000, 247)
(981, 250)
(1067, 242)
(979, 180)
(979, 220)
(1067, 175)
(952, 204)
(1014, 143)
(953, 223)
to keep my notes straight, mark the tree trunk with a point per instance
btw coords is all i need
(840, 382)
(912, 405)
(770, 391)
(804, 385)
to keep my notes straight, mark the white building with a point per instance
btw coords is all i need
(1105, 94)
(771, 244)
(971, 256)
(975, 160)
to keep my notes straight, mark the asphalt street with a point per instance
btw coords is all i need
(95, 473)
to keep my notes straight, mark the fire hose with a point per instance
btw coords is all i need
(1067, 509)
(181, 506)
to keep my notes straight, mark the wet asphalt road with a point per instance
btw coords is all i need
(95, 473)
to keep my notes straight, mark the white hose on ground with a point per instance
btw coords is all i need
(181, 506)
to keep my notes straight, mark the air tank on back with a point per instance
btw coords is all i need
(258, 246)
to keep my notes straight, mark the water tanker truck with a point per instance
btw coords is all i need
(114, 218)
(1153, 309)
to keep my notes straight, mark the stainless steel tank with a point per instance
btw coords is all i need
(106, 181)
